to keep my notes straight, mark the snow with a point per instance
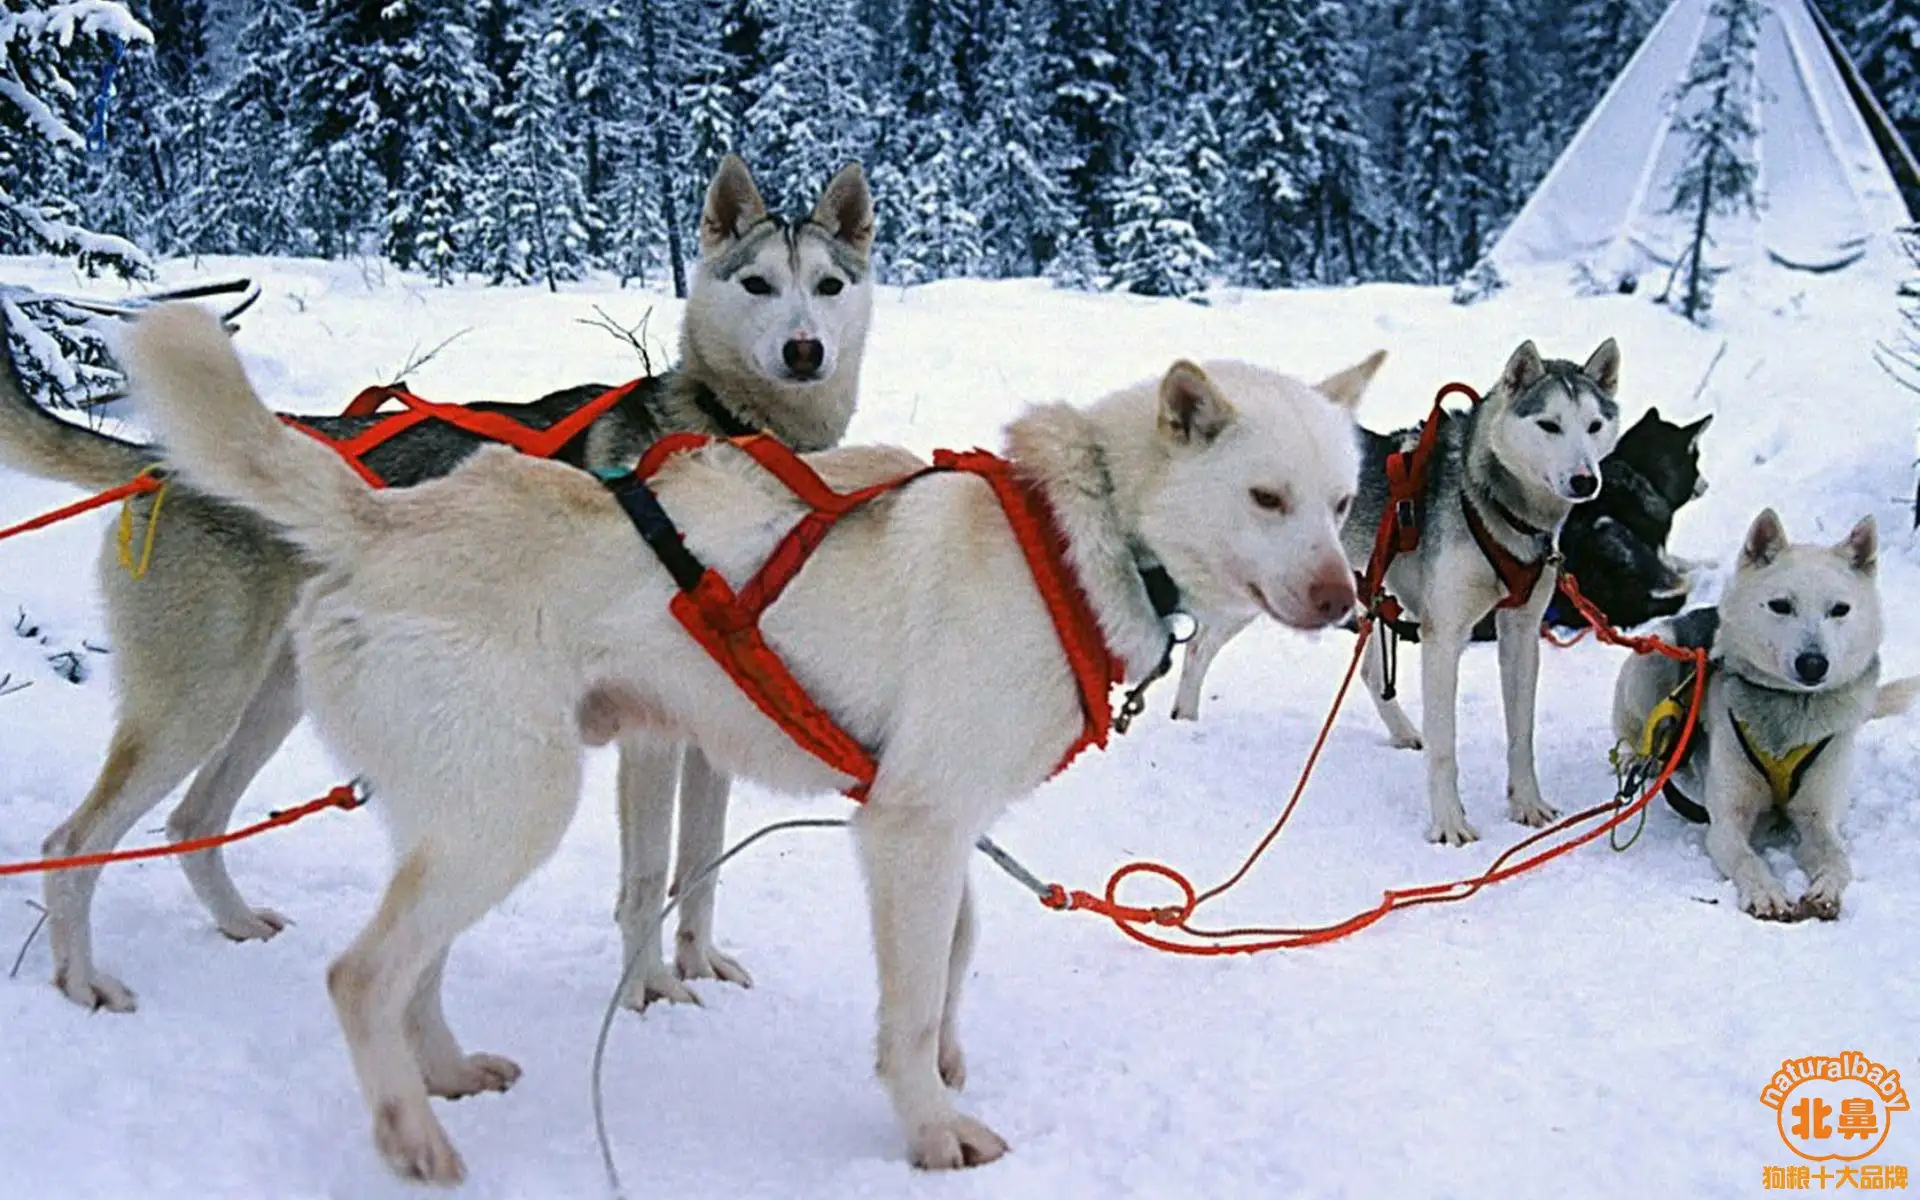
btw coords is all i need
(1603, 1027)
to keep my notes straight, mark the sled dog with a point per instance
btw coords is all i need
(1793, 673)
(1515, 467)
(772, 340)
(917, 624)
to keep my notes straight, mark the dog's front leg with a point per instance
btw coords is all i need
(915, 857)
(1820, 853)
(649, 776)
(953, 1060)
(1518, 631)
(703, 835)
(1733, 806)
(1200, 653)
(1443, 639)
(1373, 669)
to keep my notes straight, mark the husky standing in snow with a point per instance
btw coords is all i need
(772, 339)
(1793, 673)
(918, 624)
(1503, 479)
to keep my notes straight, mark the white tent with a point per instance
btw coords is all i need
(1825, 192)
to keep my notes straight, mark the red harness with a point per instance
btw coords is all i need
(1400, 524)
(494, 427)
(727, 623)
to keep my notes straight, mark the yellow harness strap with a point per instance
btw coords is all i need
(138, 567)
(1783, 772)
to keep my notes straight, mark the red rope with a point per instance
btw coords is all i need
(1142, 923)
(346, 796)
(133, 487)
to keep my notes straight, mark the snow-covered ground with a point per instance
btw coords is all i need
(1600, 1028)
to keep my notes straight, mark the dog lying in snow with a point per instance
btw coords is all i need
(458, 633)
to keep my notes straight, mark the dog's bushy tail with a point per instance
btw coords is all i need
(1895, 698)
(223, 440)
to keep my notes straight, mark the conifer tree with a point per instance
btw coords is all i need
(1715, 103)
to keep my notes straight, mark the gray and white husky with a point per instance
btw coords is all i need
(1516, 465)
(775, 327)
(1793, 673)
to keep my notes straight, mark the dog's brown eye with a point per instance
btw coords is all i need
(1340, 509)
(1268, 501)
(1840, 610)
(1552, 427)
(830, 286)
(757, 285)
(1595, 427)
(1782, 606)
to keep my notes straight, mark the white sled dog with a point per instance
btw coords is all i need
(775, 328)
(1793, 673)
(917, 624)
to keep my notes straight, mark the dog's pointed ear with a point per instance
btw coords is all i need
(1650, 417)
(1191, 408)
(1523, 370)
(1861, 546)
(846, 208)
(1694, 431)
(1604, 367)
(1346, 387)
(733, 204)
(1766, 539)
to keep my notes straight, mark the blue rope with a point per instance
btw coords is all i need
(103, 99)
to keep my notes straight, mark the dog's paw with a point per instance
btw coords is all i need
(95, 991)
(1186, 712)
(1768, 902)
(658, 984)
(1452, 830)
(475, 1074)
(1532, 812)
(692, 960)
(1822, 900)
(953, 1065)
(955, 1142)
(1406, 739)
(414, 1145)
(258, 925)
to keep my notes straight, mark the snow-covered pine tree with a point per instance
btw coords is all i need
(1020, 197)
(532, 222)
(439, 92)
(1600, 37)
(601, 66)
(924, 173)
(51, 55)
(1156, 249)
(347, 147)
(808, 113)
(1430, 183)
(1716, 101)
(1889, 59)
(152, 176)
(1487, 146)
(1083, 74)
(1296, 149)
(255, 139)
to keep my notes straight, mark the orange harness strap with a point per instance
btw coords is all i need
(726, 624)
(492, 426)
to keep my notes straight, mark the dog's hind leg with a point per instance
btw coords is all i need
(953, 1060)
(649, 775)
(1373, 670)
(703, 833)
(916, 857)
(385, 988)
(1518, 635)
(270, 716)
(449, 1071)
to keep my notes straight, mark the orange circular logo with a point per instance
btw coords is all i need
(1832, 1108)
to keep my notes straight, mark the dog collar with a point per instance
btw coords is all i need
(1178, 624)
(730, 424)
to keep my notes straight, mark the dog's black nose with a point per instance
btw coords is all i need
(1583, 486)
(803, 356)
(1811, 667)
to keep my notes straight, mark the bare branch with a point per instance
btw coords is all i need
(634, 335)
(416, 360)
